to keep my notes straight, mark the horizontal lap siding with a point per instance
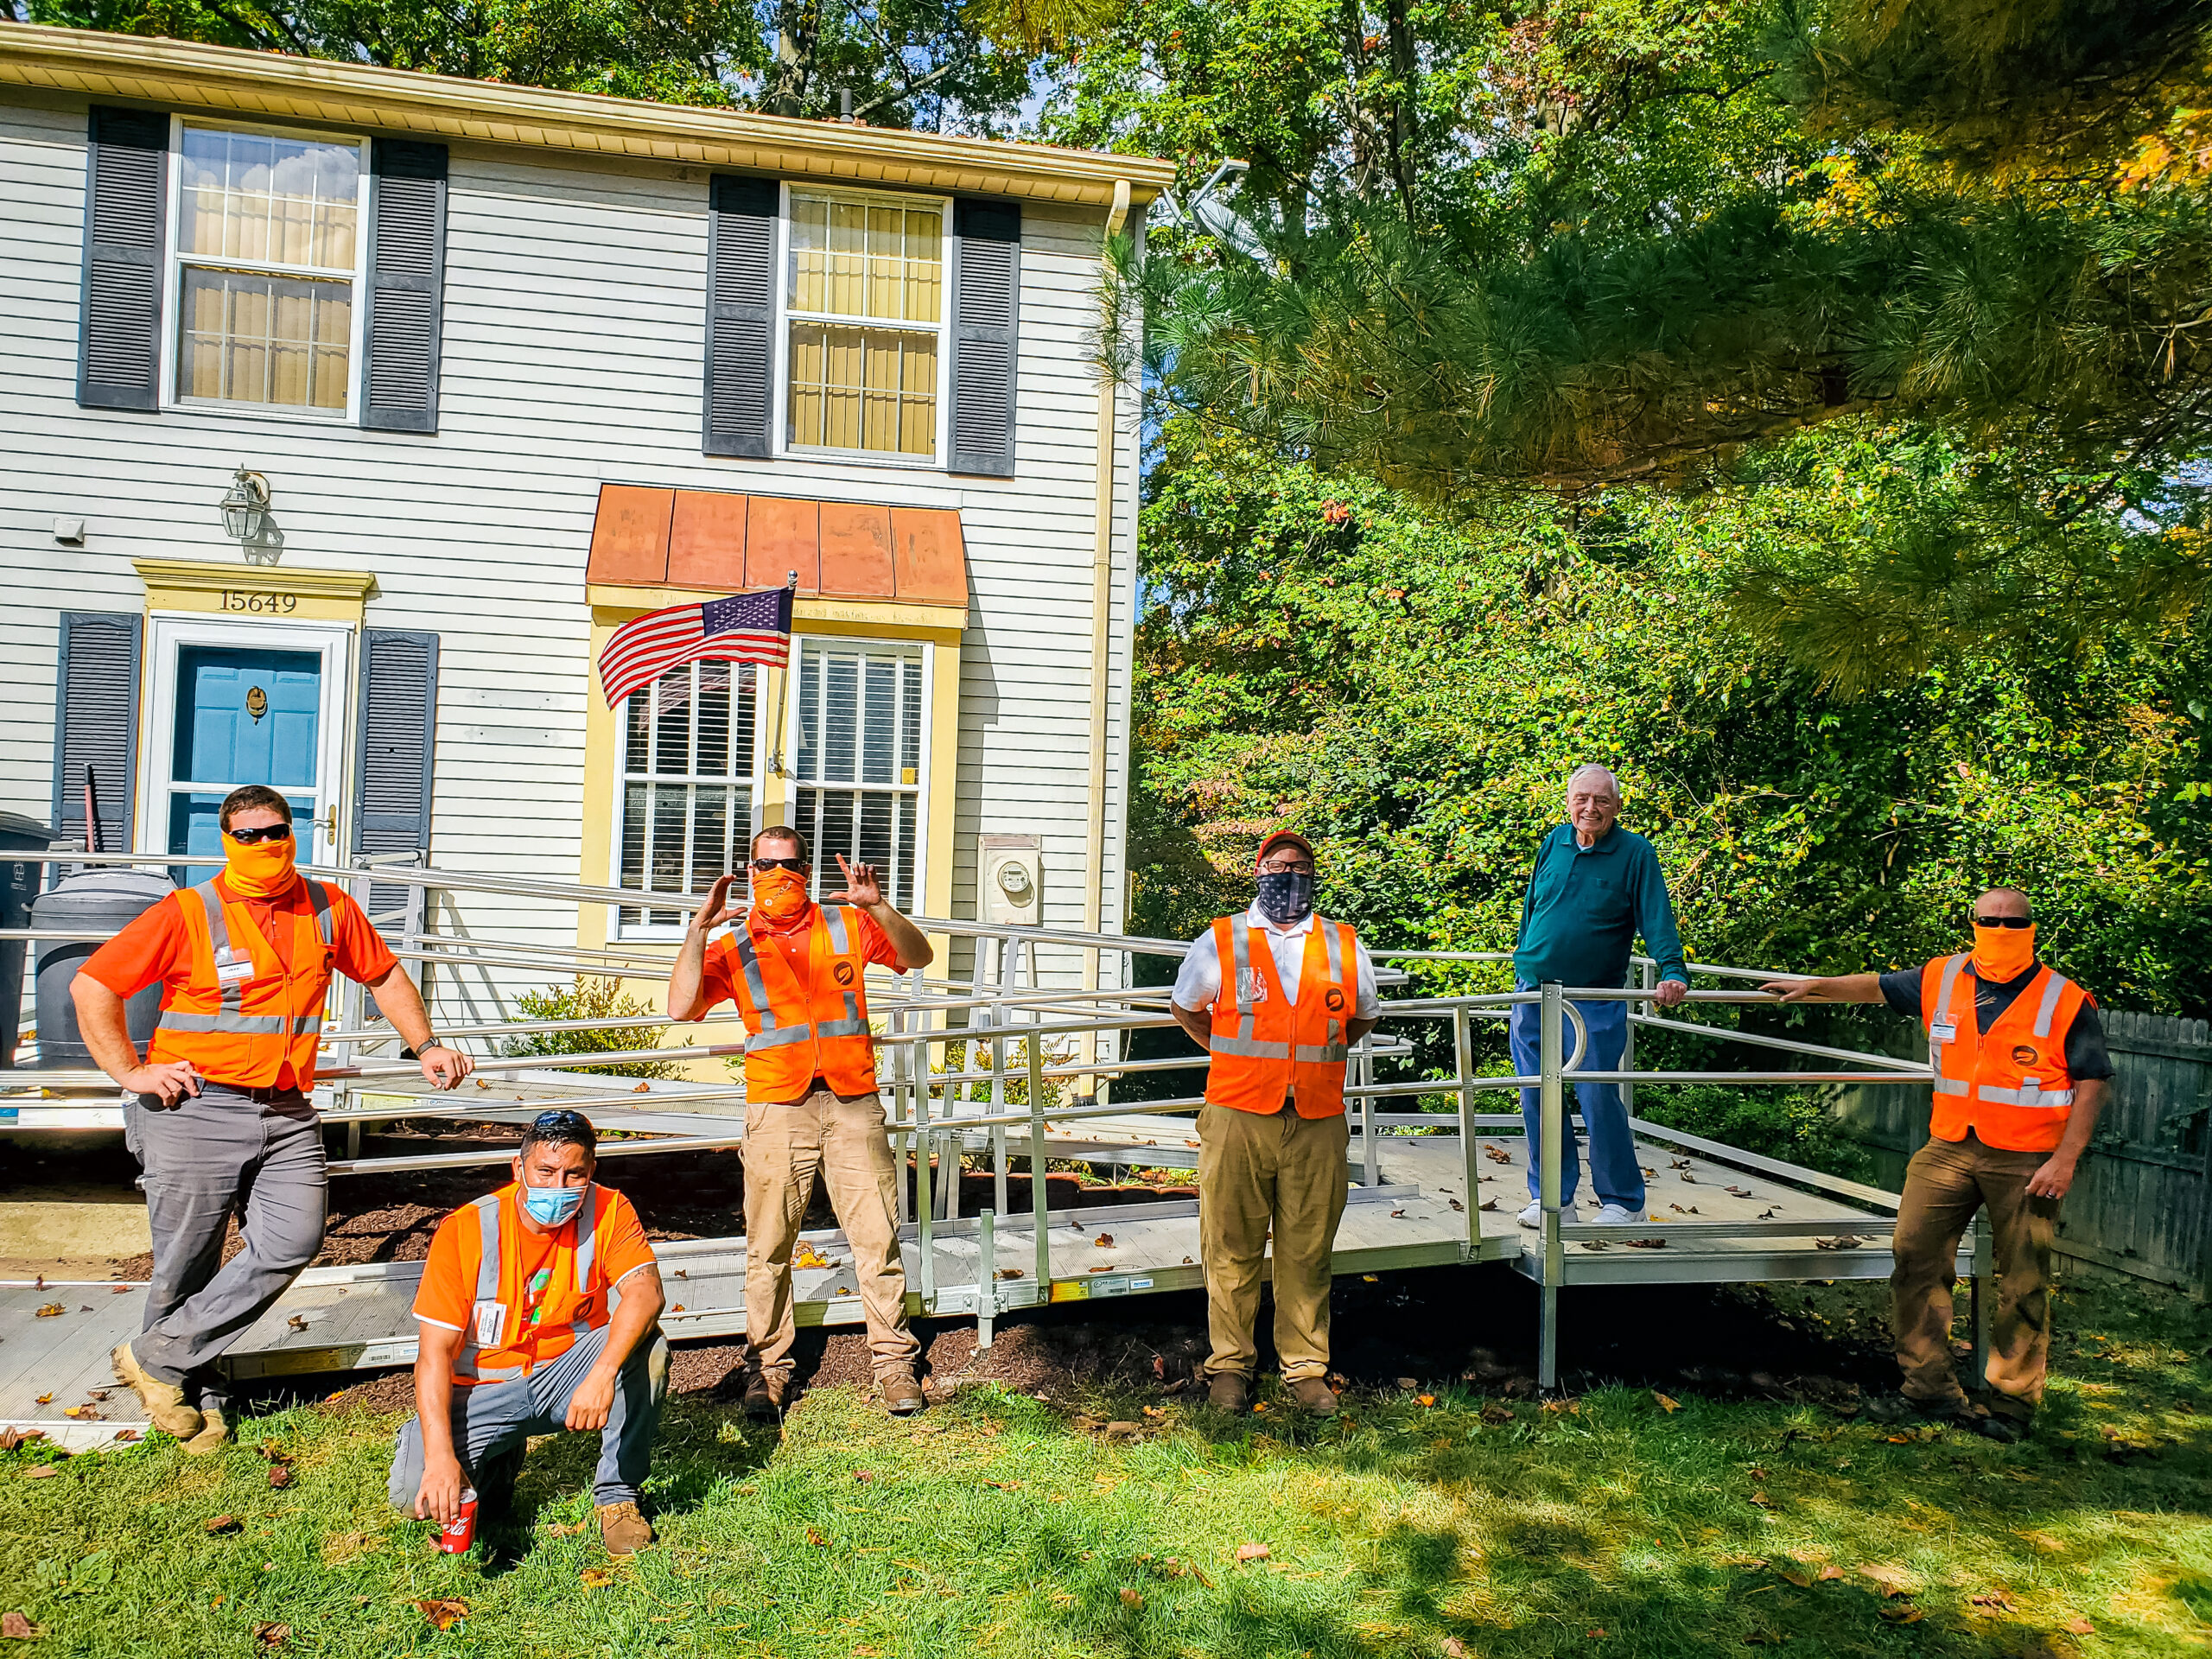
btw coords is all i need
(574, 325)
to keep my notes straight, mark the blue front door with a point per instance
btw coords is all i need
(243, 716)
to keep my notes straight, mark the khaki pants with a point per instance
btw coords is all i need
(1946, 1182)
(842, 1141)
(1279, 1172)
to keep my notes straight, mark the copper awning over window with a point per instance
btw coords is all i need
(711, 539)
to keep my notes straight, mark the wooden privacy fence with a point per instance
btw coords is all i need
(2140, 1203)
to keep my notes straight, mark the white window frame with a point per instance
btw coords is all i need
(827, 880)
(167, 634)
(644, 927)
(780, 347)
(173, 261)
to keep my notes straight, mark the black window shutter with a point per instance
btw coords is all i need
(95, 728)
(407, 276)
(399, 718)
(740, 303)
(986, 313)
(119, 336)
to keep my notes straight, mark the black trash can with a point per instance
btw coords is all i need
(19, 885)
(100, 901)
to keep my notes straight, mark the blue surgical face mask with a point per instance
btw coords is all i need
(550, 1206)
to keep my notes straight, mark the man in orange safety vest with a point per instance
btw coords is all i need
(2020, 1074)
(218, 1112)
(795, 971)
(1277, 996)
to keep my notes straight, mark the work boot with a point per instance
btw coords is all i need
(623, 1529)
(1907, 1409)
(1227, 1391)
(163, 1402)
(214, 1434)
(902, 1395)
(1314, 1395)
(764, 1395)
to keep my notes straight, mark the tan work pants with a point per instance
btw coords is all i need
(842, 1142)
(1280, 1172)
(1946, 1182)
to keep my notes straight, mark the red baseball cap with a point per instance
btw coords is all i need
(1282, 837)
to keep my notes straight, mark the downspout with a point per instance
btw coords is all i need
(1102, 584)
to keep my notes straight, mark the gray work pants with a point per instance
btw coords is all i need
(210, 1154)
(494, 1420)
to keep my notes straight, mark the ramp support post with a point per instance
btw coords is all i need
(1037, 1194)
(1463, 1073)
(924, 1199)
(1982, 1298)
(1551, 1108)
(986, 1274)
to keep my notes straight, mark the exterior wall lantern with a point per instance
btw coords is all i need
(245, 506)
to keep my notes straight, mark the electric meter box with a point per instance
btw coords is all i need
(1011, 873)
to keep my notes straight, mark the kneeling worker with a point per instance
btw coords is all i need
(537, 1310)
(2021, 1071)
(218, 1113)
(1273, 1137)
(796, 969)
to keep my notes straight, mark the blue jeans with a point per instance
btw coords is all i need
(494, 1420)
(1613, 1168)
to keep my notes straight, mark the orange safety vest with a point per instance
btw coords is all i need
(577, 1298)
(800, 1032)
(242, 1016)
(1265, 1047)
(2010, 1087)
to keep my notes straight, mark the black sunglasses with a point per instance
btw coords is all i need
(2003, 921)
(271, 832)
(560, 1119)
(764, 865)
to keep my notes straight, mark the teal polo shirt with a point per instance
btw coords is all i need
(1585, 908)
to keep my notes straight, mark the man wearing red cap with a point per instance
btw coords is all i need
(1298, 993)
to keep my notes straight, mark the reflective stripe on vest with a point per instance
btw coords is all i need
(586, 1222)
(771, 1035)
(1240, 945)
(1258, 1059)
(1946, 1085)
(2028, 1094)
(227, 1019)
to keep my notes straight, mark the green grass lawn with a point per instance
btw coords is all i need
(1001, 1524)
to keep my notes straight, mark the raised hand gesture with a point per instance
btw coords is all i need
(716, 910)
(863, 889)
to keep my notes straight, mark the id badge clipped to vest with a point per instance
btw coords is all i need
(1251, 987)
(1942, 1033)
(490, 1317)
(232, 967)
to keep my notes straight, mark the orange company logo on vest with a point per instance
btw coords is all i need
(1264, 1045)
(2010, 1084)
(797, 1033)
(242, 1017)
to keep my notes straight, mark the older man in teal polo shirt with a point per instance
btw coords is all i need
(1595, 888)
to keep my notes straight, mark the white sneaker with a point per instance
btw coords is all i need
(1614, 1215)
(1533, 1217)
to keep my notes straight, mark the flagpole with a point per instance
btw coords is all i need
(784, 685)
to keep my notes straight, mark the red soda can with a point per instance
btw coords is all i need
(455, 1537)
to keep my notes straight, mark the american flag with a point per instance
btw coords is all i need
(743, 628)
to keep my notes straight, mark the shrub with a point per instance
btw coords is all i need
(592, 999)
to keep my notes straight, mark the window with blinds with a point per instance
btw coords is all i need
(268, 251)
(691, 759)
(864, 308)
(858, 764)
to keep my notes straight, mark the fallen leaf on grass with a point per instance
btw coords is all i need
(1454, 1648)
(562, 1529)
(40, 1471)
(1595, 1636)
(1665, 1403)
(2080, 1627)
(225, 1523)
(817, 1539)
(1133, 1601)
(51, 1311)
(1830, 1573)
(1251, 1553)
(280, 1477)
(272, 1635)
(1005, 1486)
(12, 1438)
(1424, 1399)
(1494, 1413)
(1760, 1637)
(1994, 1601)
(445, 1612)
(594, 1578)
(1890, 1580)
(1903, 1614)
(1797, 1575)
(124, 1436)
(16, 1628)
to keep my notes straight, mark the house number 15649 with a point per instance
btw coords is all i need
(260, 604)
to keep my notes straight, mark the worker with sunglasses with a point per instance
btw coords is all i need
(795, 969)
(218, 1111)
(2021, 1072)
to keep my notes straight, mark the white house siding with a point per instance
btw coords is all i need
(574, 324)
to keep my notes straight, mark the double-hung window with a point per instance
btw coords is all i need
(267, 270)
(864, 319)
(691, 762)
(858, 760)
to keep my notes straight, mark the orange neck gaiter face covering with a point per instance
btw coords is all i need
(2003, 953)
(780, 895)
(261, 871)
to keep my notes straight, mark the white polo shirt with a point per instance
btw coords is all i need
(1199, 981)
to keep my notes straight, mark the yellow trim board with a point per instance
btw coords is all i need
(618, 602)
(248, 591)
(269, 86)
